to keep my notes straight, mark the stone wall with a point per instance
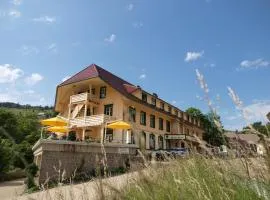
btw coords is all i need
(57, 159)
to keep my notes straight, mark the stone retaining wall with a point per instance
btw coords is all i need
(61, 159)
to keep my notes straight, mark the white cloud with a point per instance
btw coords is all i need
(53, 48)
(137, 24)
(12, 94)
(9, 73)
(29, 92)
(233, 117)
(28, 50)
(111, 38)
(16, 2)
(130, 7)
(174, 102)
(45, 19)
(254, 63)
(65, 78)
(257, 111)
(192, 56)
(142, 76)
(33, 79)
(7, 98)
(14, 13)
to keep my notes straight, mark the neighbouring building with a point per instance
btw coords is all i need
(246, 142)
(95, 96)
(92, 99)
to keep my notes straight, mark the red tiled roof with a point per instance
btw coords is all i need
(93, 71)
(114, 81)
(130, 88)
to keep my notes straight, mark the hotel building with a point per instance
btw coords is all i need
(94, 97)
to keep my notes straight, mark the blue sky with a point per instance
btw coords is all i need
(155, 44)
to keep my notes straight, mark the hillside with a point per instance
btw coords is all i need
(40, 111)
(19, 130)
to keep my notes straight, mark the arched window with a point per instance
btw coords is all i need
(182, 145)
(152, 141)
(160, 142)
(143, 141)
(132, 139)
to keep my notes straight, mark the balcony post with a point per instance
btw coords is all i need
(102, 134)
(83, 135)
(85, 111)
(90, 91)
(127, 138)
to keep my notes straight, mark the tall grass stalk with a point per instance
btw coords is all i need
(196, 178)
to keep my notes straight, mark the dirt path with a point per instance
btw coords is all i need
(11, 189)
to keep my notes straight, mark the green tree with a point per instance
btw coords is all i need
(211, 123)
(195, 112)
(5, 155)
(8, 123)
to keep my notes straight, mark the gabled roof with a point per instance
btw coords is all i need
(94, 70)
(114, 81)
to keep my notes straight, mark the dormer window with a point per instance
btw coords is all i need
(144, 97)
(161, 105)
(169, 109)
(176, 112)
(154, 101)
(181, 115)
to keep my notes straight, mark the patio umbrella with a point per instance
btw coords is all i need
(55, 121)
(61, 129)
(119, 125)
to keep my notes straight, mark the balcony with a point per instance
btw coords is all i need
(83, 97)
(94, 120)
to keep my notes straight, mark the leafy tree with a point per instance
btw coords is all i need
(5, 155)
(213, 134)
(19, 130)
(195, 112)
(31, 171)
(8, 123)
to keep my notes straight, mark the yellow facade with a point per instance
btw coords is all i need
(87, 117)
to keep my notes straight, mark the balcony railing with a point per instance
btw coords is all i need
(83, 97)
(93, 120)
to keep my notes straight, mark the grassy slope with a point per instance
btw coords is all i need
(200, 178)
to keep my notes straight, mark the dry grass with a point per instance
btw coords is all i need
(200, 178)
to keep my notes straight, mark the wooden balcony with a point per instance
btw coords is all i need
(94, 120)
(83, 97)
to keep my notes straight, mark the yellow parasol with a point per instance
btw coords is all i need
(56, 121)
(61, 129)
(119, 125)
